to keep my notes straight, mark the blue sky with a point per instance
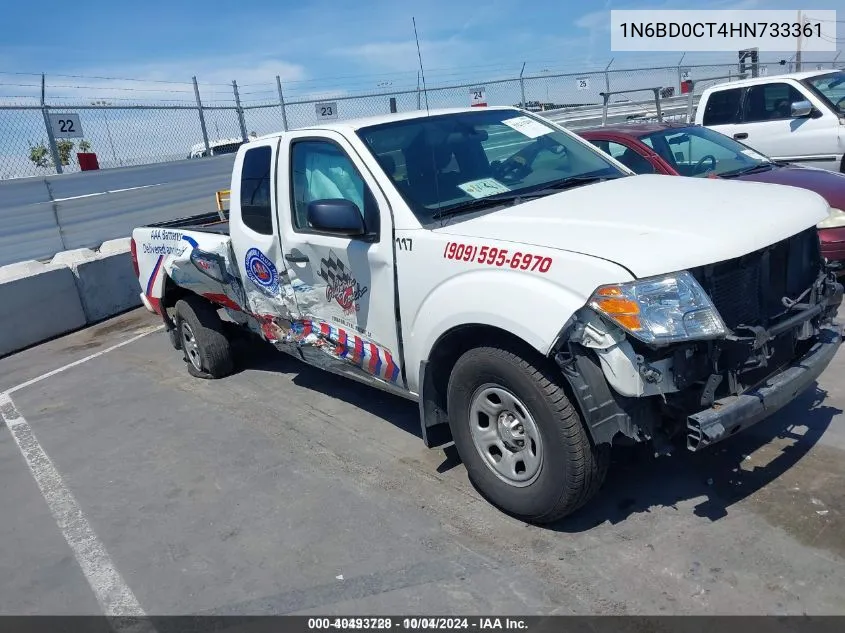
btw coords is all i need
(319, 44)
(322, 49)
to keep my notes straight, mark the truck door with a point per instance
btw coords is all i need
(343, 280)
(770, 128)
(255, 245)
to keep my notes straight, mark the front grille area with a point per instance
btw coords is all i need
(748, 290)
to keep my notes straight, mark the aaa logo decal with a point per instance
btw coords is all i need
(261, 271)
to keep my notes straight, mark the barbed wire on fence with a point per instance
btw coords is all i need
(155, 120)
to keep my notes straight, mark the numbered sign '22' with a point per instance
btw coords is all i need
(65, 125)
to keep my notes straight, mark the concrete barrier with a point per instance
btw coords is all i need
(37, 302)
(105, 279)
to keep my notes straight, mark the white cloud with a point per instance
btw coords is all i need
(402, 55)
(594, 20)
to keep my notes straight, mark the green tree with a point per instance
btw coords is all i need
(65, 147)
(39, 155)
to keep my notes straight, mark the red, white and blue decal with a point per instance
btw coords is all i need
(373, 359)
(261, 271)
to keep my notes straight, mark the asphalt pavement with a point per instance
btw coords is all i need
(282, 489)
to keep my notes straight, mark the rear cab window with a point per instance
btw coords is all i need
(723, 107)
(256, 207)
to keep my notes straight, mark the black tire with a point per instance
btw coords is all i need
(211, 356)
(173, 336)
(571, 470)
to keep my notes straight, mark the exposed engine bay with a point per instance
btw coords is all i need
(778, 306)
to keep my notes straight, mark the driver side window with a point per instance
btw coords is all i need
(321, 170)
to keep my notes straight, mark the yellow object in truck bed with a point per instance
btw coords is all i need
(222, 195)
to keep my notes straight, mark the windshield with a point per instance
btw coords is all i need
(831, 88)
(700, 151)
(447, 162)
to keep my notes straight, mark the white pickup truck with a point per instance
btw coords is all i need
(797, 118)
(538, 300)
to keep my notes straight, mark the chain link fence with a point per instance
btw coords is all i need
(185, 120)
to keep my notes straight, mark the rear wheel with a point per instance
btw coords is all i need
(523, 444)
(202, 339)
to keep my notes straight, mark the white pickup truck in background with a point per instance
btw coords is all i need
(797, 118)
(538, 300)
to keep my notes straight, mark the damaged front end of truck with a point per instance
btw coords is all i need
(706, 352)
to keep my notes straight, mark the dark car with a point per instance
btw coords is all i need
(681, 149)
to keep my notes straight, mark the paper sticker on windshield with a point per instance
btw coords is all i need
(483, 187)
(528, 126)
(752, 154)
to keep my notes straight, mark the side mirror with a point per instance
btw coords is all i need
(336, 215)
(800, 109)
(210, 264)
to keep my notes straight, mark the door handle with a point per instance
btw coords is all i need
(741, 135)
(296, 258)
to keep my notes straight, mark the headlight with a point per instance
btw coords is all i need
(661, 309)
(834, 219)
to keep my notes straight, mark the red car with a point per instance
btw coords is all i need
(681, 149)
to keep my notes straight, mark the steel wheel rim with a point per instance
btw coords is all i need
(505, 435)
(189, 344)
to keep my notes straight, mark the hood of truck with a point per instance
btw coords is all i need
(653, 224)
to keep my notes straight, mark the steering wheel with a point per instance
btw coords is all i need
(698, 166)
(511, 170)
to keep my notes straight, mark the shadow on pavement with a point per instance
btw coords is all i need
(256, 355)
(636, 481)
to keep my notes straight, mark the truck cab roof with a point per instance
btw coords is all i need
(753, 81)
(361, 122)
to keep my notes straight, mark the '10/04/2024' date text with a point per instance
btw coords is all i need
(417, 623)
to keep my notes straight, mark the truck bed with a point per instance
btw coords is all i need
(205, 222)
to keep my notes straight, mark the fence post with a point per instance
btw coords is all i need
(680, 78)
(240, 110)
(605, 97)
(522, 85)
(202, 118)
(419, 105)
(607, 75)
(282, 103)
(690, 100)
(51, 140)
(657, 105)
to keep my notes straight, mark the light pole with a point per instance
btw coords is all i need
(108, 129)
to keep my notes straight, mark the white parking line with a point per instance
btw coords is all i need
(113, 594)
(102, 193)
(49, 374)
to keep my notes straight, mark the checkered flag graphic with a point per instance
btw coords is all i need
(332, 270)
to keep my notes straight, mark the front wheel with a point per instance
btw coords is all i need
(523, 444)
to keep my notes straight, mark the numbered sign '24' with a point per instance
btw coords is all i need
(478, 97)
